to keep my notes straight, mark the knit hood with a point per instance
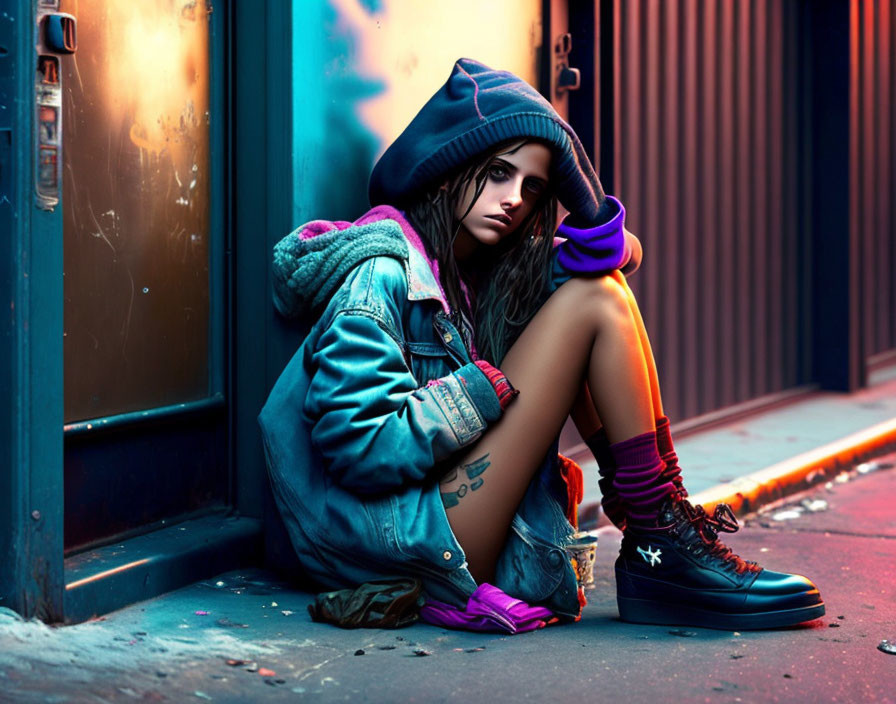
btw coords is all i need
(477, 108)
(311, 262)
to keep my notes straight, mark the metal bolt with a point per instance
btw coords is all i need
(35, 514)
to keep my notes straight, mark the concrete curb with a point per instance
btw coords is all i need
(748, 494)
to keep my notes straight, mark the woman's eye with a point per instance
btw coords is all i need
(535, 187)
(497, 171)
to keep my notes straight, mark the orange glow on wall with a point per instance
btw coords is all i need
(155, 63)
(411, 46)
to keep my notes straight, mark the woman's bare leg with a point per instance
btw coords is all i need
(583, 413)
(585, 330)
(646, 349)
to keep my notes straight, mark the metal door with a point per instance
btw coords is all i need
(145, 440)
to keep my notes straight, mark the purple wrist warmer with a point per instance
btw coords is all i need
(488, 609)
(596, 249)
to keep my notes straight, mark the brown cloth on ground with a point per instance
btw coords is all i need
(386, 603)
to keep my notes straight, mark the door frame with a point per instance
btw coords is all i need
(31, 487)
(253, 46)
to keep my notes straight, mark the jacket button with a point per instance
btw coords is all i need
(554, 559)
(446, 555)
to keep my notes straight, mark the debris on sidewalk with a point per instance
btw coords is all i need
(787, 514)
(810, 505)
(227, 623)
(886, 646)
(873, 466)
(790, 508)
(814, 505)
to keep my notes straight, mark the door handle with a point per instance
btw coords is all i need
(60, 33)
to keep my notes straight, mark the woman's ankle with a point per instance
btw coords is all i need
(639, 480)
(671, 471)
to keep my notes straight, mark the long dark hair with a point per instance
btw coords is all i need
(509, 281)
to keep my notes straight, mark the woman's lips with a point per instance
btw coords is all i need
(503, 219)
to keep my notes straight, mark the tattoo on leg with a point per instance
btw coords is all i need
(473, 470)
(477, 467)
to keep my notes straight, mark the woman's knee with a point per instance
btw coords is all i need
(599, 298)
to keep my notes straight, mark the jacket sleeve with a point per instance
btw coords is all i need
(376, 429)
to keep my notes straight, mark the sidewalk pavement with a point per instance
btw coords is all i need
(246, 637)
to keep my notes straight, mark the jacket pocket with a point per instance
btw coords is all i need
(383, 526)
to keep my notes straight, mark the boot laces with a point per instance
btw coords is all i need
(708, 528)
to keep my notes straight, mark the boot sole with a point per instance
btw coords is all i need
(658, 613)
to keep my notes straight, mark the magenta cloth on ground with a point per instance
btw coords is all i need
(488, 609)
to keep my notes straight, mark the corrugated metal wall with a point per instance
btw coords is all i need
(873, 165)
(707, 154)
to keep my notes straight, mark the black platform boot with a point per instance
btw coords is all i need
(678, 572)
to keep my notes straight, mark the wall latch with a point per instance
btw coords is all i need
(568, 78)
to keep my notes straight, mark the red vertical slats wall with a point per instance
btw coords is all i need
(873, 167)
(689, 187)
(706, 160)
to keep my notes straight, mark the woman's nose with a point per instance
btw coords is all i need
(513, 196)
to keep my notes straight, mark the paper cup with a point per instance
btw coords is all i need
(582, 549)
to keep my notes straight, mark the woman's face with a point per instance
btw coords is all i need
(516, 178)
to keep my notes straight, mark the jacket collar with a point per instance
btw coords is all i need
(423, 272)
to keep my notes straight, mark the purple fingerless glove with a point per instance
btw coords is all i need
(488, 609)
(593, 250)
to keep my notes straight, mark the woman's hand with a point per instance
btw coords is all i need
(636, 253)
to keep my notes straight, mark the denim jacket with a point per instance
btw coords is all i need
(377, 402)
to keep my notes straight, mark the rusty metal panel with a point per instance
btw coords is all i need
(706, 157)
(873, 167)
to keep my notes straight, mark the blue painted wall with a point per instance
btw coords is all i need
(332, 149)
